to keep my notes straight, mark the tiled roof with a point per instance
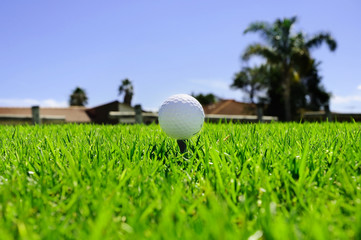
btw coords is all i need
(231, 107)
(71, 114)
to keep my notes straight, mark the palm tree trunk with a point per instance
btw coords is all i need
(127, 98)
(287, 95)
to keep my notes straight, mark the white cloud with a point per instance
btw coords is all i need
(212, 83)
(346, 104)
(346, 99)
(53, 103)
(28, 102)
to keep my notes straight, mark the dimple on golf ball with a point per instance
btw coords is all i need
(181, 116)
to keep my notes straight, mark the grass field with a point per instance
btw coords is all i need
(249, 181)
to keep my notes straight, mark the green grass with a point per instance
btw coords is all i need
(268, 181)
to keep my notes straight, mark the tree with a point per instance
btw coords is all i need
(206, 98)
(316, 93)
(127, 88)
(306, 91)
(78, 97)
(289, 52)
(251, 81)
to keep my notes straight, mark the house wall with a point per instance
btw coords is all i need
(18, 115)
(124, 108)
(100, 114)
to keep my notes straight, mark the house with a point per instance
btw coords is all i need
(231, 110)
(116, 112)
(17, 115)
(74, 114)
(231, 107)
(101, 114)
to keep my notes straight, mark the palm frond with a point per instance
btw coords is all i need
(262, 51)
(320, 38)
(126, 86)
(264, 28)
(288, 22)
(78, 97)
(120, 90)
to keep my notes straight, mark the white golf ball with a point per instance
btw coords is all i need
(181, 116)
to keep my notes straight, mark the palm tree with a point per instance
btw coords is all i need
(290, 52)
(78, 97)
(316, 93)
(251, 81)
(127, 88)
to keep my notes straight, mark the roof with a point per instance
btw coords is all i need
(116, 102)
(71, 114)
(231, 107)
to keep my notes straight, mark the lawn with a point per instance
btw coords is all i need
(237, 181)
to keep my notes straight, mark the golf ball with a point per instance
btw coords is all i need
(181, 116)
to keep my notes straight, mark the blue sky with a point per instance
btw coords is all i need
(48, 48)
